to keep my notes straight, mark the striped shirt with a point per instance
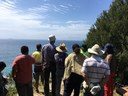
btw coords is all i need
(96, 69)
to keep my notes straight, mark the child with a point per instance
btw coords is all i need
(3, 81)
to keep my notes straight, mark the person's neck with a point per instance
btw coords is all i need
(77, 53)
(25, 54)
(39, 50)
(51, 43)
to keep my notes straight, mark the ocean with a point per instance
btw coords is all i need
(10, 48)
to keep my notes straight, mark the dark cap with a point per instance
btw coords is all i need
(75, 46)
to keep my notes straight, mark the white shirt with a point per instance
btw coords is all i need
(96, 68)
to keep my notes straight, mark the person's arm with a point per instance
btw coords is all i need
(66, 62)
(125, 94)
(67, 68)
(56, 59)
(14, 69)
(106, 76)
(45, 56)
(46, 53)
(33, 60)
(85, 76)
(108, 59)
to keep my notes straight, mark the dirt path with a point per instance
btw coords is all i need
(41, 90)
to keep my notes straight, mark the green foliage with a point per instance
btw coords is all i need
(12, 91)
(11, 86)
(111, 27)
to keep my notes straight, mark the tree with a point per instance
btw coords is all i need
(112, 27)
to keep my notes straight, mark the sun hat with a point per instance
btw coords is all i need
(96, 50)
(61, 48)
(51, 38)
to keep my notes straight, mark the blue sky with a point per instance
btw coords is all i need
(37, 19)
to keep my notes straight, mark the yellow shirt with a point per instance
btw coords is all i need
(38, 56)
(73, 63)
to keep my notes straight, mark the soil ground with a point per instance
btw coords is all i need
(41, 91)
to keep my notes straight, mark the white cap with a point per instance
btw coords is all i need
(51, 37)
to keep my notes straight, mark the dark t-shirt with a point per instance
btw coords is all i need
(48, 52)
(60, 59)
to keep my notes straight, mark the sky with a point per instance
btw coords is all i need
(37, 19)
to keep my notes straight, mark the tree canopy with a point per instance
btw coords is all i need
(112, 27)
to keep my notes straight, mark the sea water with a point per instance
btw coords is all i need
(10, 48)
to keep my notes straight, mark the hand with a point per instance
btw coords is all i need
(91, 85)
(95, 89)
(126, 94)
(85, 85)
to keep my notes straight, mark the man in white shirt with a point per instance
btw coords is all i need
(95, 71)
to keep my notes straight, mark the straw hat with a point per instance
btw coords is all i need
(61, 48)
(96, 50)
(51, 38)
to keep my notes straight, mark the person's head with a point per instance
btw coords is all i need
(61, 48)
(52, 38)
(76, 48)
(108, 48)
(95, 50)
(38, 47)
(25, 50)
(2, 65)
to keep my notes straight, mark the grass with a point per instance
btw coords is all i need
(13, 92)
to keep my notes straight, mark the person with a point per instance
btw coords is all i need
(72, 76)
(3, 81)
(95, 72)
(60, 59)
(49, 66)
(83, 50)
(38, 72)
(22, 72)
(111, 60)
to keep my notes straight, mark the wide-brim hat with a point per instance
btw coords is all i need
(51, 38)
(61, 48)
(96, 50)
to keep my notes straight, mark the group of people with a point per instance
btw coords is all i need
(74, 69)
